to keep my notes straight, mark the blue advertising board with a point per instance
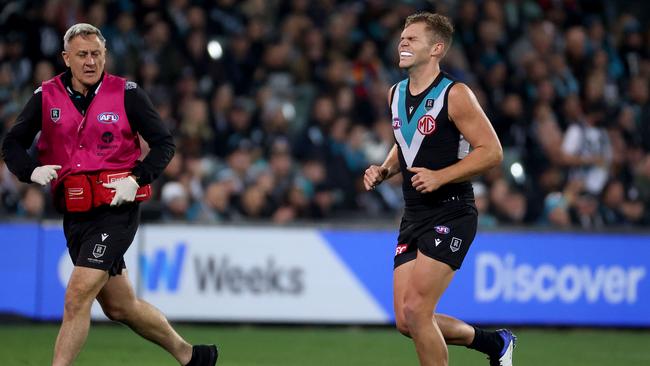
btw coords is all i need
(19, 266)
(527, 278)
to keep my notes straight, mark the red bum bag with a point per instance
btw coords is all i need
(85, 191)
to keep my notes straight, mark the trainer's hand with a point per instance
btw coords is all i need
(374, 175)
(425, 180)
(125, 190)
(45, 174)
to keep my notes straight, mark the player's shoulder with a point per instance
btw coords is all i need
(459, 90)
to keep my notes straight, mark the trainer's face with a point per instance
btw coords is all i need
(85, 57)
(416, 47)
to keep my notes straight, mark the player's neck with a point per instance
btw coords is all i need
(421, 77)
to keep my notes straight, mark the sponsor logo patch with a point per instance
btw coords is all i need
(397, 123)
(107, 137)
(55, 114)
(99, 250)
(455, 244)
(438, 241)
(401, 248)
(441, 229)
(426, 125)
(108, 117)
(428, 104)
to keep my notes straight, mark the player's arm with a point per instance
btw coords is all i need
(146, 121)
(376, 174)
(20, 137)
(468, 116)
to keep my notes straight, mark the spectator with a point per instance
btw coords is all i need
(290, 99)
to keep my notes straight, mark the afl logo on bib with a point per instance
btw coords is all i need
(108, 117)
(397, 123)
(426, 125)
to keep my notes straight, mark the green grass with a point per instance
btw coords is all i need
(244, 346)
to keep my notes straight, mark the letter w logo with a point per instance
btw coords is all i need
(159, 266)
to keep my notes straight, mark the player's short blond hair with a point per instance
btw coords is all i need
(439, 26)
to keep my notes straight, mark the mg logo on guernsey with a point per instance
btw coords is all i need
(162, 266)
(108, 117)
(426, 125)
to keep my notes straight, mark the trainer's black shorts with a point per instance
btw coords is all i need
(100, 237)
(444, 234)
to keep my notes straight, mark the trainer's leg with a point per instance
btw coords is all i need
(119, 303)
(83, 287)
(430, 279)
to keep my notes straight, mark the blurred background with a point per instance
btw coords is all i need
(279, 106)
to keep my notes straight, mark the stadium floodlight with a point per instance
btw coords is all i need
(288, 111)
(215, 50)
(517, 171)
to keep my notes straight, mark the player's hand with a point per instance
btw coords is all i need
(45, 174)
(125, 190)
(374, 175)
(425, 180)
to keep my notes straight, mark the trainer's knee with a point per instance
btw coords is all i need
(118, 311)
(76, 301)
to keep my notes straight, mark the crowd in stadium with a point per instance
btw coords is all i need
(278, 107)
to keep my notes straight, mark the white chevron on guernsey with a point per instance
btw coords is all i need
(410, 152)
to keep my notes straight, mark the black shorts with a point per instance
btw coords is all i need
(100, 237)
(444, 234)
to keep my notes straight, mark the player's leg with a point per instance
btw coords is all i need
(496, 344)
(430, 279)
(119, 303)
(401, 279)
(83, 287)
(455, 332)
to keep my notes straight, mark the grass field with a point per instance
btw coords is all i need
(243, 346)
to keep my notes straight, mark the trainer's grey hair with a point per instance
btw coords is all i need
(82, 29)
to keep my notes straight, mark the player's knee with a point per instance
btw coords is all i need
(403, 328)
(414, 313)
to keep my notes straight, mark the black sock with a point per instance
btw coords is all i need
(196, 356)
(202, 354)
(486, 341)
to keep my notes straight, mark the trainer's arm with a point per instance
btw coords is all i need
(20, 137)
(473, 124)
(146, 121)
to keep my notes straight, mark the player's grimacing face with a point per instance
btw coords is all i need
(86, 57)
(415, 45)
